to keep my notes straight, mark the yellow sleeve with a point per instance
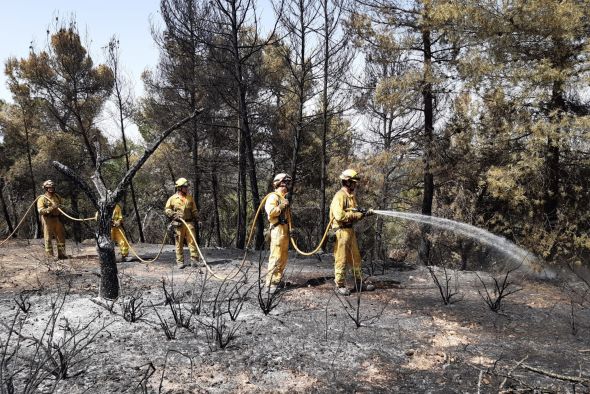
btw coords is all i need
(272, 206)
(337, 208)
(41, 205)
(169, 208)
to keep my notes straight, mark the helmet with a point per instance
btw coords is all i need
(181, 182)
(350, 175)
(48, 183)
(282, 177)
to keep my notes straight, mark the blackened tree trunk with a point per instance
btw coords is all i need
(552, 163)
(196, 175)
(427, 96)
(324, 159)
(105, 203)
(215, 192)
(241, 190)
(5, 208)
(109, 280)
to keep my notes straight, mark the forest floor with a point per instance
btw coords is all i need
(401, 339)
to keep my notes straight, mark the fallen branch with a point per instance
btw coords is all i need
(554, 375)
(510, 373)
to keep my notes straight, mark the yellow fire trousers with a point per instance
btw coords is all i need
(346, 253)
(182, 235)
(117, 237)
(53, 228)
(279, 253)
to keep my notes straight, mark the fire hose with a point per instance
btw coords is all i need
(249, 240)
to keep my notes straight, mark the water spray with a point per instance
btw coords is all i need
(501, 244)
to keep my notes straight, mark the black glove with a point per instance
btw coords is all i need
(361, 210)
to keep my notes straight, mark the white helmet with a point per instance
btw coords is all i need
(350, 175)
(282, 177)
(180, 182)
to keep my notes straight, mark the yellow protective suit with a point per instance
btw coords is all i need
(278, 215)
(346, 249)
(52, 226)
(117, 231)
(184, 207)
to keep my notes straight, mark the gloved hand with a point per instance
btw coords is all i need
(284, 205)
(177, 216)
(361, 210)
(53, 208)
(369, 212)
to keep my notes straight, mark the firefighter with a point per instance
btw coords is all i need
(181, 205)
(47, 206)
(117, 234)
(278, 213)
(345, 212)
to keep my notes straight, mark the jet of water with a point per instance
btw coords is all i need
(509, 249)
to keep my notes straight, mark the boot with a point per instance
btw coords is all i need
(362, 286)
(342, 290)
(196, 263)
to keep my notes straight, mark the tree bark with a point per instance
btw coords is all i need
(552, 163)
(241, 190)
(5, 208)
(427, 96)
(196, 177)
(109, 279)
(215, 192)
(324, 160)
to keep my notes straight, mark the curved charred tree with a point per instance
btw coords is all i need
(105, 202)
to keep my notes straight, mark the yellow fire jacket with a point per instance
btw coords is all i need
(340, 209)
(276, 211)
(47, 205)
(185, 206)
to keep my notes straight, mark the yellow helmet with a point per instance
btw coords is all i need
(282, 177)
(48, 183)
(181, 182)
(350, 175)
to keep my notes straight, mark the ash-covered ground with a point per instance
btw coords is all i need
(198, 333)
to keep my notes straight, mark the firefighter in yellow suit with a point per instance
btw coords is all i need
(47, 206)
(278, 213)
(117, 235)
(181, 205)
(345, 212)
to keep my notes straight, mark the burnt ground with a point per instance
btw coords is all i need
(407, 342)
